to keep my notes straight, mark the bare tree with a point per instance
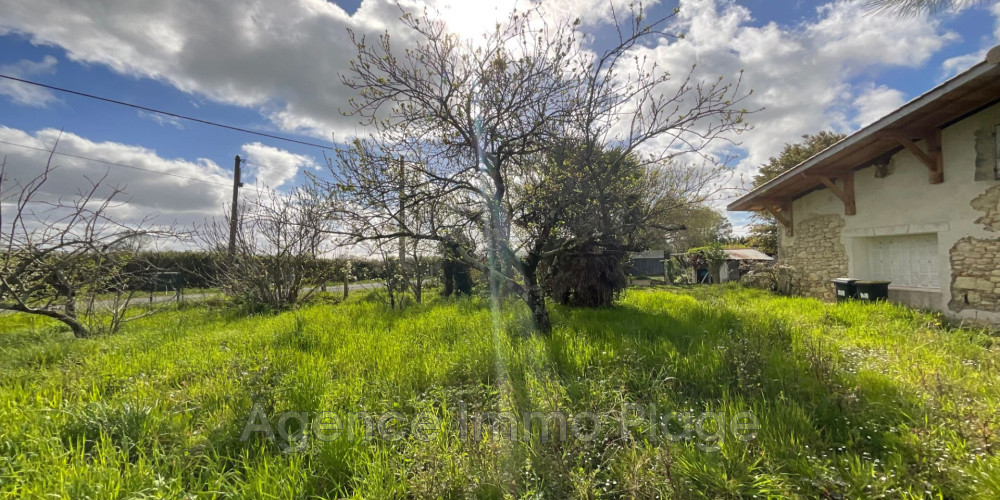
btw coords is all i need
(275, 260)
(393, 283)
(418, 258)
(468, 121)
(61, 254)
(418, 267)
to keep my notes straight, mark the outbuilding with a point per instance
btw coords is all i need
(913, 198)
(648, 263)
(737, 260)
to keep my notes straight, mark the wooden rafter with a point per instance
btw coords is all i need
(846, 194)
(783, 214)
(933, 141)
(850, 208)
(932, 158)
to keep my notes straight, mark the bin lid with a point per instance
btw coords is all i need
(872, 282)
(846, 281)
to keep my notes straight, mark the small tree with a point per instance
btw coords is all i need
(456, 275)
(767, 276)
(702, 226)
(274, 261)
(391, 277)
(59, 255)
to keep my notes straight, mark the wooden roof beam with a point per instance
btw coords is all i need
(908, 133)
(765, 203)
(846, 194)
(783, 214)
(932, 159)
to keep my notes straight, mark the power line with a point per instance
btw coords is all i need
(115, 164)
(165, 113)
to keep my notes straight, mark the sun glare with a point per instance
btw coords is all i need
(471, 19)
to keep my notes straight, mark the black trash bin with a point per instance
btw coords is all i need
(872, 290)
(845, 288)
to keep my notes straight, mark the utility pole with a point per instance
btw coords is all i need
(233, 219)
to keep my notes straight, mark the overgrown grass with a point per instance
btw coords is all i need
(853, 400)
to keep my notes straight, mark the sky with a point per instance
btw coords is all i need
(275, 66)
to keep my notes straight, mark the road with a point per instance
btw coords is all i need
(141, 299)
(144, 299)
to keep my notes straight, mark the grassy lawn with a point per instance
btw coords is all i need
(854, 400)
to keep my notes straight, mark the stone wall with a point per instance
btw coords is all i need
(975, 271)
(989, 202)
(817, 255)
(975, 262)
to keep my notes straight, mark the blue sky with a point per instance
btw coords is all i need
(273, 66)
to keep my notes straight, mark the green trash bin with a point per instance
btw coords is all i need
(845, 288)
(872, 291)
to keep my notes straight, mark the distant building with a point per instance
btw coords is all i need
(731, 269)
(648, 263)
(735, 257)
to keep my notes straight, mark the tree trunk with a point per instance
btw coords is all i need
(448, 275)
(539, 312)
(79, 331)
(532, 292)
(534, 297)
(70, 303)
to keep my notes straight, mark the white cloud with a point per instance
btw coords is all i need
(273, 167)
(995, 9)
(174, 191)
(804, 76)
(162, 120)
(274, 55)
(955, 65)
(875, 102)
(24, 94)
(852, 36)
(284, 57)
(200, 194)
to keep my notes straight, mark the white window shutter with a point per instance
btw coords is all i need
(908, 260)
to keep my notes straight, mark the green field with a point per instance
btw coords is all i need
(851, 401)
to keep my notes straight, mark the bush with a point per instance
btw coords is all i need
(590, 277)
(774, 278)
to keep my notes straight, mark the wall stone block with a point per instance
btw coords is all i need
(989, 202)
(974, 280)
(817, 254)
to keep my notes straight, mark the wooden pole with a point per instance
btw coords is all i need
(233, 219)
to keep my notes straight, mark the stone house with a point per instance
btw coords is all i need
(913, 198)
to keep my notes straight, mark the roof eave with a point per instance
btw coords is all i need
(915, 105)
